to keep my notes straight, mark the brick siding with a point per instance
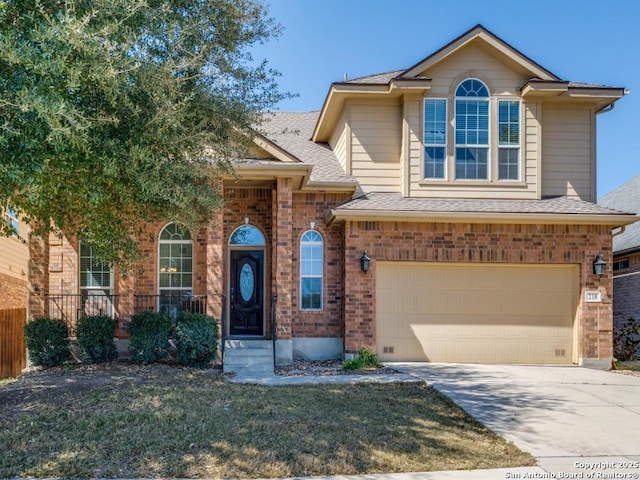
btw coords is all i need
(14, 292)
(435, 242)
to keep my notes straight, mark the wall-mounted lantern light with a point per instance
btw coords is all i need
(365, 262)
(599, 265)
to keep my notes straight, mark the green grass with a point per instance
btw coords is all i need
(179, 422)
(629, 365)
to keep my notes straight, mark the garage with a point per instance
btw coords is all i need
(476, 312)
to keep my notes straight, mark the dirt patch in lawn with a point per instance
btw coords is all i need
(124, 420)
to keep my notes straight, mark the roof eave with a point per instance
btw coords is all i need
(339, 92)
(614, 220)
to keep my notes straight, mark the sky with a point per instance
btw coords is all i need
(592, 41)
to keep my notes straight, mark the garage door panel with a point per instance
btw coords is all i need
(475, 313)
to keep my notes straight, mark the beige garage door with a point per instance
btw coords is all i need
(475, 313)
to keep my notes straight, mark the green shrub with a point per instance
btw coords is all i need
(95, 338)
(46, 341)
(363, 359)
(196, 339)
(149, 336)
(626, 341)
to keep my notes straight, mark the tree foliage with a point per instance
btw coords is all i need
(117, 110)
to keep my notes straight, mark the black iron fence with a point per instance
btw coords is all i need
(171, 304)
(71, 307)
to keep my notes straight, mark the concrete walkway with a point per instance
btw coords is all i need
(574, 421)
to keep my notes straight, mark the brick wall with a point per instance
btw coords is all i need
(435, 242)
(626, 287)
(13, 292)
(312, 207)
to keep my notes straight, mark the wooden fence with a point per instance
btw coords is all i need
(12, 349)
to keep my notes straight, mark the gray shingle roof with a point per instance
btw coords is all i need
(397, 203)
(625, 198)
(378, 78)
(292, 131)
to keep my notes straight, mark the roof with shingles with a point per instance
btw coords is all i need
(397, 203)
(625, 198)
(292, 131)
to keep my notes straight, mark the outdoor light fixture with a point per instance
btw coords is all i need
(599, 265)
(365, 261)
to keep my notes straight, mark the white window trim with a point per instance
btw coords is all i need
(440, 145)
(488, 146)
(174, 242)
(109, 289)
(11, 217)
(321, 277)
(510, 147)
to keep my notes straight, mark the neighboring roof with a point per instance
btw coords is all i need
(625, 197)
(291, 131)
(390, 205)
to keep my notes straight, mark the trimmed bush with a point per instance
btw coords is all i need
(363, 359)
(626, 341)
(149, 336)
(95, 338)
(46, 341)
(196, 339)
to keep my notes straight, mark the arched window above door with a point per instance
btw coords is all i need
(247, 235)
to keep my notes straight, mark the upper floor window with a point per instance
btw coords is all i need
(311, 270)
(620, 264)
(508, 140)
(435, 137)
(11, 217)
(475, 151)
(472, 130)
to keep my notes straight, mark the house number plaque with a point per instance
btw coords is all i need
(593, 296)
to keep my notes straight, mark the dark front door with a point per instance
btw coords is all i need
(246, 304)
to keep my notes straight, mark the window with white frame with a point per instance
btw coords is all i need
(435, 138)
(96, 284)
(94, 274)
(472, 130)
(175, 262)
(311, 270)
(11, 217)
(508, 140)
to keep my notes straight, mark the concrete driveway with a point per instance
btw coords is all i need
(572, 420)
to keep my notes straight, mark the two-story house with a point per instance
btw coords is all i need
(443, 212)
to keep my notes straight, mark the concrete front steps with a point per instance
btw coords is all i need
(248, 357)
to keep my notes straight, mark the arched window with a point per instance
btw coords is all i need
(311, 270)
(472, 130)
(247, 235)
(175, 276)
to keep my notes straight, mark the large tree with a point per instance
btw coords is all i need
(114, 111)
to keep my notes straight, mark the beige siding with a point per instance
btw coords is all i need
(14, 254)
(338, 142)
(568, 151)
(503, 82)
(376, 133)
(489, 313)
(472, 61)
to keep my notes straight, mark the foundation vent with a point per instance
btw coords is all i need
(387, 349)
(560, 352)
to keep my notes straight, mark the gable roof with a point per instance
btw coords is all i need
(625, 198)
(287, 135)
(541, 81)
(480, 33)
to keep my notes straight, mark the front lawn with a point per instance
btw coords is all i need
(121, 420)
